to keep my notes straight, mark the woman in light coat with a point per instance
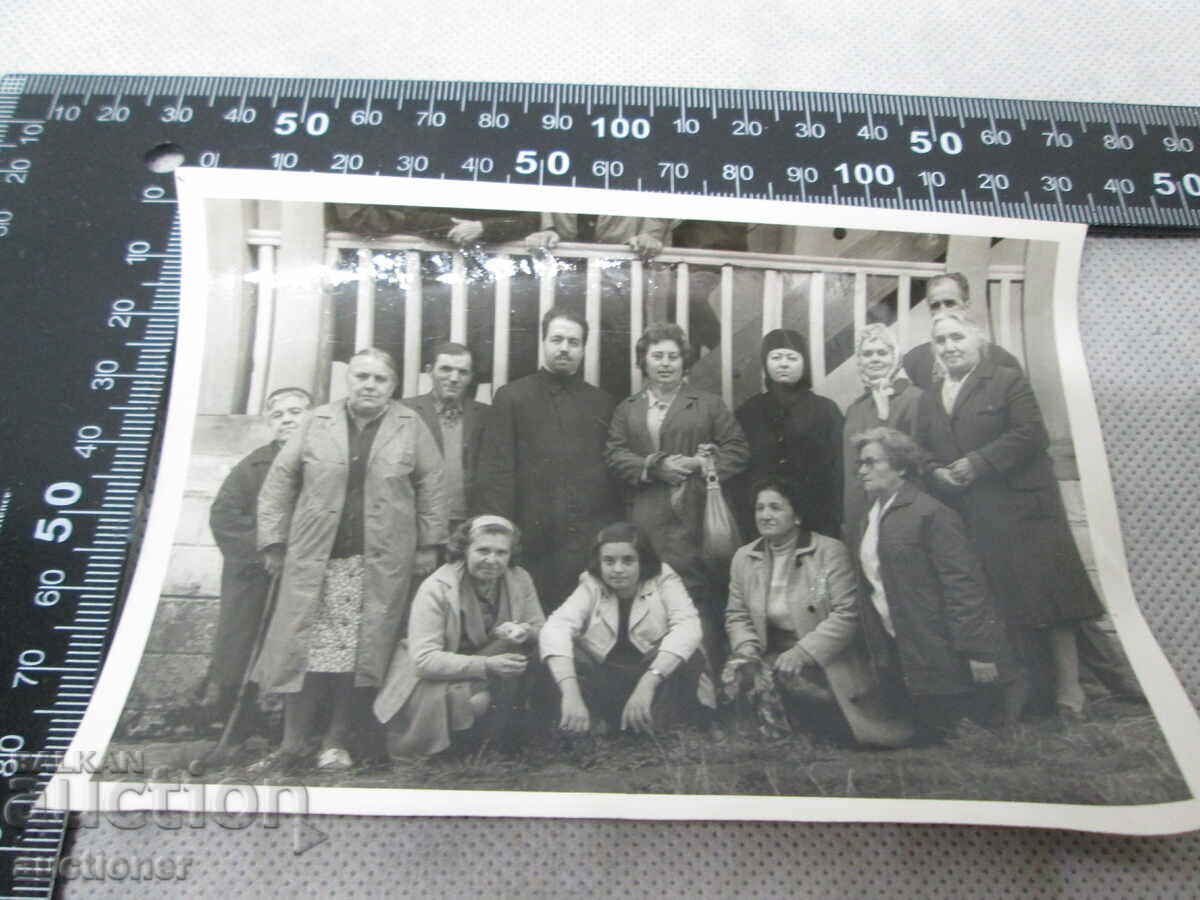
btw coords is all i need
(624, 649)
(792, 622)
(460, 675)
(350, 508)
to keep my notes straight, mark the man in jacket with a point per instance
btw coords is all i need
(456, 422)
(542, 460)
(244, 581)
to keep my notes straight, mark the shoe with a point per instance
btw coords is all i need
(279, 762)
(1070, 714)
(334, 759)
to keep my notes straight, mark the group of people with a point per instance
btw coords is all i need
(466, 572)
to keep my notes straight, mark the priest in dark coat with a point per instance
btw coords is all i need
(542, 461)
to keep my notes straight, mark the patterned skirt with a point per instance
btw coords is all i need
(334, 636)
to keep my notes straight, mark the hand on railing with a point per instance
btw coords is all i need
(542, 240)
(645, 245)
(465, 231)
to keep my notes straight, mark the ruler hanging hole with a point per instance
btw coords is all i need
(163, 158)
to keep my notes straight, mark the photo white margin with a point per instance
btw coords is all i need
(195, 186)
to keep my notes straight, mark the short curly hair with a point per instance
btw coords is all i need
(788, 488)
(902, 452)
(462, 536)
(663, 331)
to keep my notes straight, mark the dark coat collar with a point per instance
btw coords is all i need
(982, 374)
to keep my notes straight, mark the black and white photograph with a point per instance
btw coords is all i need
(497, 500)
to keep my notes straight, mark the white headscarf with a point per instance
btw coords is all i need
(881, 389)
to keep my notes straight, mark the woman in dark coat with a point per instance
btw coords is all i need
(793, 433)
(657, 446)
(987, 442)
(923, 601)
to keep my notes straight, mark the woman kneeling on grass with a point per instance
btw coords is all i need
(792, 623)
(460, 676)
(929, 622)
(624, 648)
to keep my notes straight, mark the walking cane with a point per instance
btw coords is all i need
(224, 749)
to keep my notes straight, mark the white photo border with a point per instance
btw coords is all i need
(1173, 711)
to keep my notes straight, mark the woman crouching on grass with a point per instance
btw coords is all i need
(624, 648)
(792, 622)
(460, 677)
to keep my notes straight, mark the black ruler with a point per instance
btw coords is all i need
(91, 264)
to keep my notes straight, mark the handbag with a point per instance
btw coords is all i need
(720, 538)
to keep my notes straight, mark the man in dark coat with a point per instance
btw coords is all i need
(456, 421)
(244, 581)
(542, 460)
(944, 293)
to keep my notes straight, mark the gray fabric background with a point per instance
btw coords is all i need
(1138, 328)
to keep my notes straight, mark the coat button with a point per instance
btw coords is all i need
(812, 609)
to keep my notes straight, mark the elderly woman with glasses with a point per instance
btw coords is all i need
(923, 602)
(889, 398)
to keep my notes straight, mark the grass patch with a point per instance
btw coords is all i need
(1120, 757)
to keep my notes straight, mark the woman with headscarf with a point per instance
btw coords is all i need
(793, 433)
(889, 399)
(987, 442)
(460, 676)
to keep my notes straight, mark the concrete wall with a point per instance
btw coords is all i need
(180, 642)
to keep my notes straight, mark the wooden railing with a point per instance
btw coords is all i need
(399, 259)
